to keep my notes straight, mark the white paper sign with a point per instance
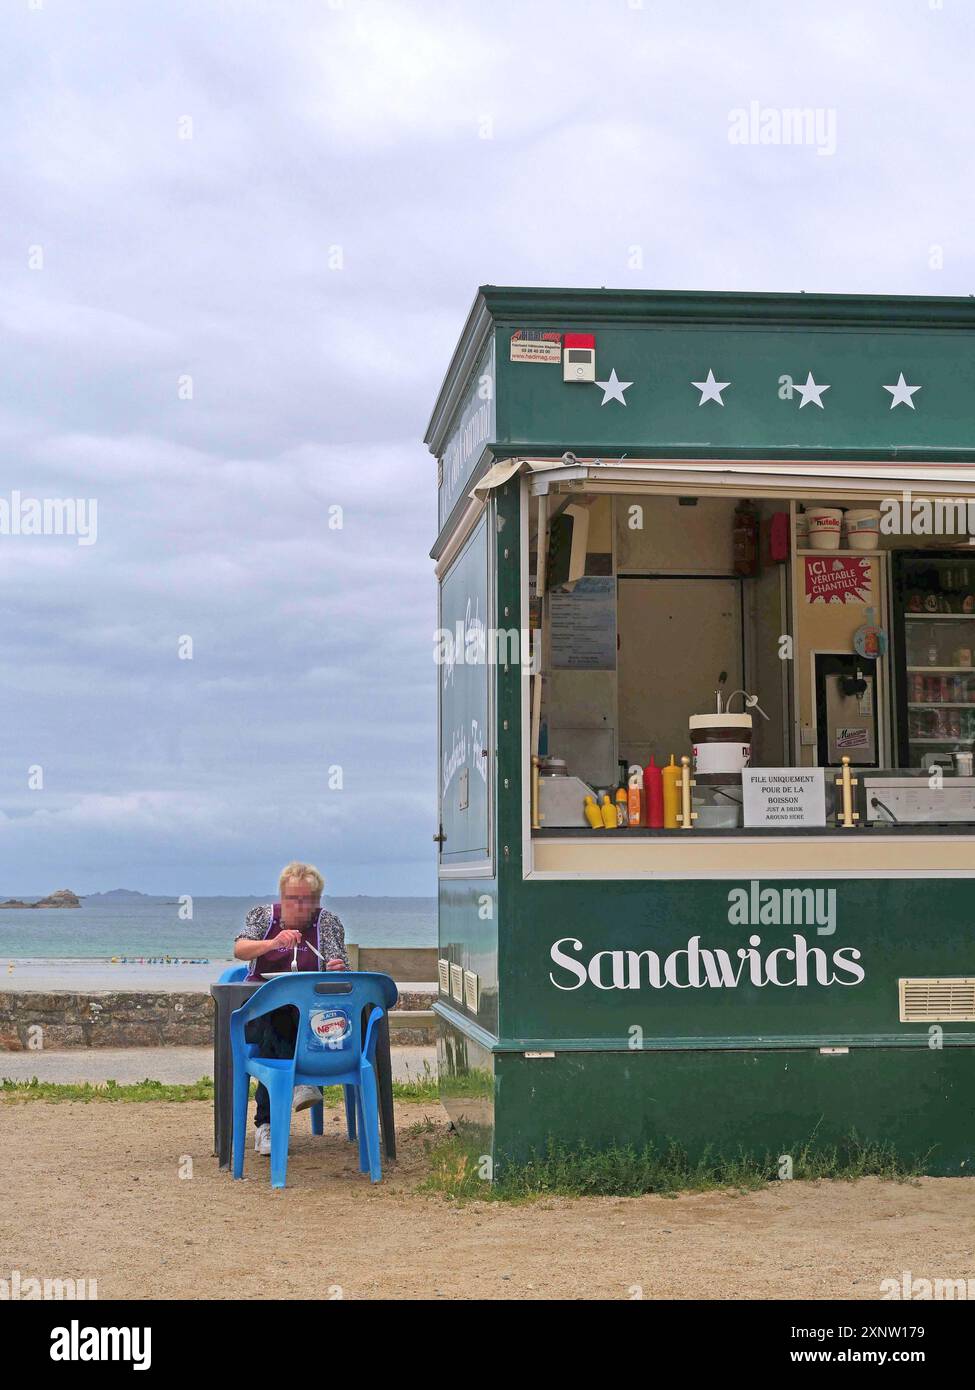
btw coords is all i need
(774, 796)
(584, 625)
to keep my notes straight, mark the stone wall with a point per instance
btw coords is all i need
(32, 1020)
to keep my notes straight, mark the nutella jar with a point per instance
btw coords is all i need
(721, 743)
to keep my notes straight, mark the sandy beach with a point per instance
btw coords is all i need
(86, 975)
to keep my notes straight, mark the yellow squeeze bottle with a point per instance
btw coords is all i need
(671, 780)
(592, 814)
(608, 811)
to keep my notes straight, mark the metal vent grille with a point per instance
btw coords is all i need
(937, 1001)
(456, 983)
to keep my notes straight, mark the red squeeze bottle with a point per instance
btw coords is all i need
(653, 795)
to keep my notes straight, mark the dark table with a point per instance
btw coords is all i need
(227, 998)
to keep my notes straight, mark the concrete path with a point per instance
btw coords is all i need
(173, 1065)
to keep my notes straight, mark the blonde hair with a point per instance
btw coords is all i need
(297, 870)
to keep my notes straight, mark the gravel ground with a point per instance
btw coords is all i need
(130, 1195)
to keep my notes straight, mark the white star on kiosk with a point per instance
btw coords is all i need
(811, 392)
(613, 388)
(710, 389)
(901, 393)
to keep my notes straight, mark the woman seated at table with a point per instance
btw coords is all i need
(273, 934)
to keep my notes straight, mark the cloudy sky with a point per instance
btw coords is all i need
(239, 241)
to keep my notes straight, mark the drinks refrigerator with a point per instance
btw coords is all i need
(934, 632)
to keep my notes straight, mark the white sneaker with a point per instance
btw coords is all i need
(306, 1096)
(262, 1139)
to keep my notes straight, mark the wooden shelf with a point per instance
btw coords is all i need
(857, 554)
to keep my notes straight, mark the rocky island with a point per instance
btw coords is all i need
(62, 898)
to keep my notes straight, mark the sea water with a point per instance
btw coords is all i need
(66, 948)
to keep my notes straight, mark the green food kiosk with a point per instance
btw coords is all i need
(706, 831)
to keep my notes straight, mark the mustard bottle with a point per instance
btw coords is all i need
(592, 814)
(608, 811)
(622, 812)
(670, 776)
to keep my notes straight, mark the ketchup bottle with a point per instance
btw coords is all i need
(653, 795)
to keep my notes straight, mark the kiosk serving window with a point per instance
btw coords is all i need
(735, 665)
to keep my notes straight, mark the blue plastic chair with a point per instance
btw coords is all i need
(330, 1050)
(237, 975)
(233, 975)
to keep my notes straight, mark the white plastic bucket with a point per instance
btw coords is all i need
(824, 527)
(863, 529)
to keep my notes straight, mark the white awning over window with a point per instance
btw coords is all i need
(500, 473)
(759, 478)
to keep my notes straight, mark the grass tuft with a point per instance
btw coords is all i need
(422, 1088)
(460, 1172)
(108, 1091)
